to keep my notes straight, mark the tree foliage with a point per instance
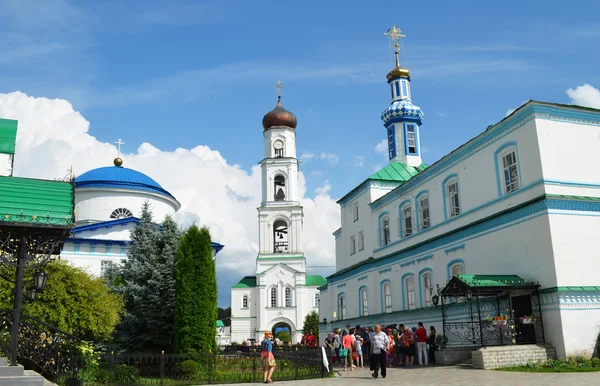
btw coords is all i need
(311, 323)
(73, 300)
(195, 293)
(147, 281)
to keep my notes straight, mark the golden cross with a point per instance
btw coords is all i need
(395, 34)
(278, 86)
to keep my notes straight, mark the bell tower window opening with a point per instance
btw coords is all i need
(120, 213)
(279, 186)
(411, 139)
(391, 142)
(280, 237)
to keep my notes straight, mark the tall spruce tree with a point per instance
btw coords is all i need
(195, 293)
(147, 281)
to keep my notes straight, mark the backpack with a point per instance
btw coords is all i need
(336, 342)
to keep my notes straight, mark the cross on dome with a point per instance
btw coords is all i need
(278, 86)
(119, 161)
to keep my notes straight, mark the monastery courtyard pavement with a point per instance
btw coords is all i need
(450, 376)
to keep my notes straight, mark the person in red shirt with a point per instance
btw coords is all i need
(422, 344)
(311, 340)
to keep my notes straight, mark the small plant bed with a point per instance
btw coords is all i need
(562, 365)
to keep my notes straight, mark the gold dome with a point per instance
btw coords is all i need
(398, 71)
(118, 161)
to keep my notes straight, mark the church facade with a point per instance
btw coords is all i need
(507, 202)
(281, 294)
(108, 202)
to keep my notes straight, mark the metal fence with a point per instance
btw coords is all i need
(231, 364)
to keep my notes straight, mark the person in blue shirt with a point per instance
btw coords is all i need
(267, 358)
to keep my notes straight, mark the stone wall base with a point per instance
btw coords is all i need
(506, 356)
(453, 356)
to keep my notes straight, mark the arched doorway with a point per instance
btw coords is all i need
(283, 331)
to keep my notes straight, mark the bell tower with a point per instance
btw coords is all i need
(280, 215)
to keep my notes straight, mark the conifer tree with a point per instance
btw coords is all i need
(195, 293)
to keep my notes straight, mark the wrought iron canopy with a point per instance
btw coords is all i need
(485, 285)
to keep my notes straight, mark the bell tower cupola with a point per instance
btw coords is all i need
(402, 118)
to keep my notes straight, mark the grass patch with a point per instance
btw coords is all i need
(525, 369)
(563, 365)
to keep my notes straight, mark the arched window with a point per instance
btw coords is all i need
(457, 269)
(316, 300)
(386, 290)
(407, 222)
(427, 283)
(273, 297)
(451, 193)
(364, 302)
(409, 292)
(385, 230)
(423, 211)
(120, 213)
(288, 297)
(279, 188)
(507, 168)
(280, 237)
(245, 301)
(342, 307)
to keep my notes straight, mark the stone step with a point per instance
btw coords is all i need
(11, 371)
(3, 361)
(23, 380)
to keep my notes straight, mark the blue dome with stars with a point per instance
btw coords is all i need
(402, 109)
(118, 177)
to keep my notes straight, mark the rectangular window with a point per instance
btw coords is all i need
(391, 142)
(411, 141)
(409, 285)
(245, 302)
(407, 227)
(392, 90)
(511, 173)
(364, 302)
(385, 224)
(355, 211)
(288, 297)
(452, 198)
(427, 289)
(278, 153)
(107, 249)
(342, 306)
(397, 89)
(352, 245)
(77, 249)
(316, 300)
(404, 89)
(361, 241)
(92, 249)
(273, 297)
(424, 212)
(104, 264)
(387, 297)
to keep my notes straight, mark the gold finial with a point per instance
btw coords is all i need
(395, 35)
(278, 86)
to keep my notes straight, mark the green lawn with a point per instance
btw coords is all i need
(527, 369)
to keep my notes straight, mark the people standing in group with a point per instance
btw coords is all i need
(348, 343)
(268, 360)
(400, 356)
(379, 342)
(431, 339)
(391, 358)
(359, 352)
(422, 344)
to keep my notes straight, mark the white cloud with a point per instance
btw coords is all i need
(316, 173)
(329, 157)
(306, 157)
(52, 137)
(586, 95)
(358, 161)
(382, 147)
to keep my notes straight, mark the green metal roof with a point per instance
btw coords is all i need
(8, 136)
(397, 171)
(492, 280)
(315, 281)
(26, 201)
(246, 282)
(220, 323)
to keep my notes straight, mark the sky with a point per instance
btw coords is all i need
(185, 84)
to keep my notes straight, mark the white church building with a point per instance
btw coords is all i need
(281, 294)
(108, 202)
(520, 201)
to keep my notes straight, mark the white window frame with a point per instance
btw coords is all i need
(361, 240)
(342, 306)
(355, 211)
(427, 280)
(273, 297)
(509, 171)
(289, 301)
(454, 269)
(385, 231)
(352, 245)
(364, 302)
(411, 136)
(407, 220)
(424, 213)
(453, 198)
(409, 287)
(245, 301)
(317, 300)
(387, 297)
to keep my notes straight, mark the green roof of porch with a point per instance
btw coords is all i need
(492, 280)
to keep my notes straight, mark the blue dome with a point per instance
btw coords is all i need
(120, 178)
(402, 109)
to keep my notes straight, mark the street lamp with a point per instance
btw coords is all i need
(436, 298)
(30, 293)
(40, 278)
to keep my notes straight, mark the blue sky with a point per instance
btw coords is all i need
(186, 73)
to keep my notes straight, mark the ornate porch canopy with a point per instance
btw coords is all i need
(489, 310)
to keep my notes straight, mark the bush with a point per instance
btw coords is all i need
(120, 375)
(188, 369)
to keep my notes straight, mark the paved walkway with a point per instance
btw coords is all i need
(451, 376)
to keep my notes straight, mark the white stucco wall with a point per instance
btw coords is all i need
(6, 164)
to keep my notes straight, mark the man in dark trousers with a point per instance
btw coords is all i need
(379, 343)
